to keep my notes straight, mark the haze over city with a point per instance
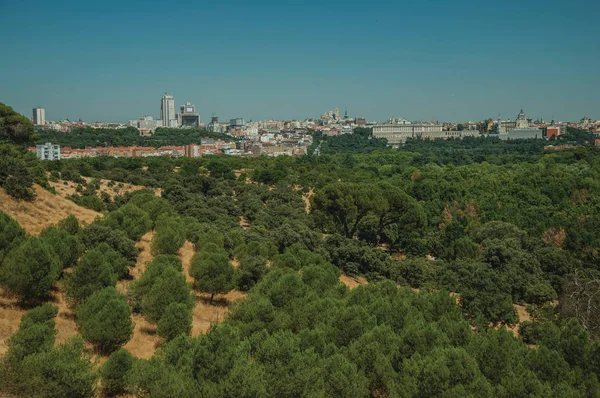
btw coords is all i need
(463, 60)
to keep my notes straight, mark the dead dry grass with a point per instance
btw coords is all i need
(352, 281)
(46, 210)
(10, 317)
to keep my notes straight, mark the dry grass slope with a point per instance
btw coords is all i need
(46, 210)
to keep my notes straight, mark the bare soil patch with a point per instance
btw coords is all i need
(352, 281)
(46, 210)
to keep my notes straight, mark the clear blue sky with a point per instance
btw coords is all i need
(455, 60)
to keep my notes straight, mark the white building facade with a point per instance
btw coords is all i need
(39, 116)
(167, 111)
(48, 151)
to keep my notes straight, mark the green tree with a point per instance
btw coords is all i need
(30, 270)
(96, 234)
(93, 273)
(212, 273)
(36, 334)
(104, 319)
(176, 320)
(64, 371)
(115, 372)
(65, 245)
(131, 219)
(169, 237)
(70, 224)
(346, 204)
(15, 127)
(170, 287)
(11, 234)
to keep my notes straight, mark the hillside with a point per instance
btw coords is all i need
(46, 210)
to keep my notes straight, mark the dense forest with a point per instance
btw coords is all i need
(129, 136)
(448, 244)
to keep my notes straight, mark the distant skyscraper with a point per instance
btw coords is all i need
(39, 116)
(167, 111)
(188, 116)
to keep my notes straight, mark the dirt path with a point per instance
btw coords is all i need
(65, 319)
(306, 198)
(144, 341)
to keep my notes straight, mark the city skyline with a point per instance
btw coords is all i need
(454, 62)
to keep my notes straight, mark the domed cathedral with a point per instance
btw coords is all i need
(522, 122)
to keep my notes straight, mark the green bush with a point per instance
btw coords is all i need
(131, 219)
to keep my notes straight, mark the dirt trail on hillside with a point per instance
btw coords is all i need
(205, 313)
(65, 319)
(306, 198)
(144, 341)
(46, 210)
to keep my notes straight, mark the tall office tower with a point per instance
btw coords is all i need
(39, 116)
(167, 111)
(188, 116)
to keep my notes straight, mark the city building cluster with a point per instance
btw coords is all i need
(291, 137)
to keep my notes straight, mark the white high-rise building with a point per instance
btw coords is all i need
(167, 111)
(39, 116)
(48, 151)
